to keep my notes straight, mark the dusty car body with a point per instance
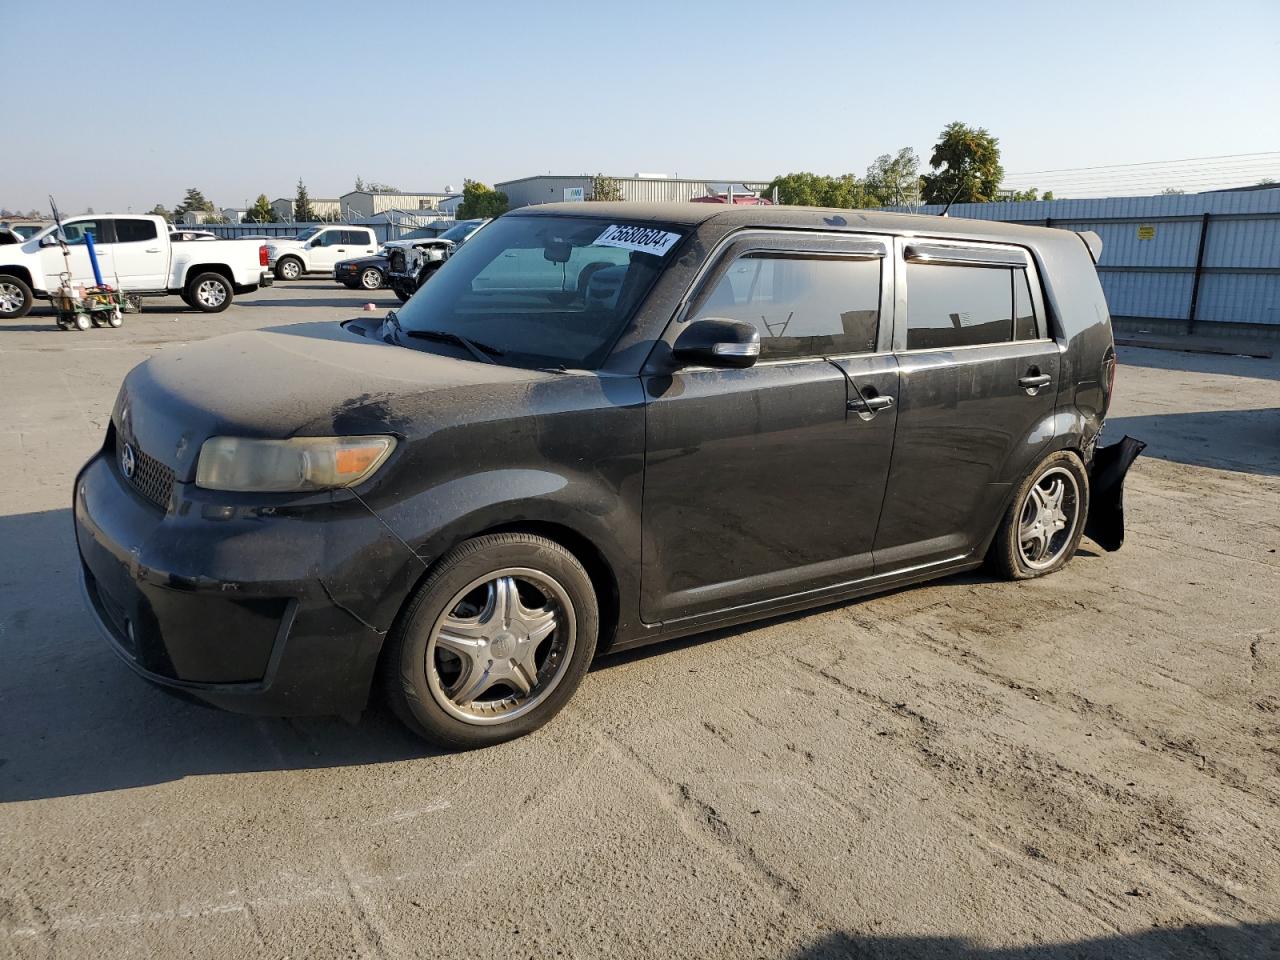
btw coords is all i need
(637, 422)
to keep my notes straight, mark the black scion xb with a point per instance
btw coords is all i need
(600, 425)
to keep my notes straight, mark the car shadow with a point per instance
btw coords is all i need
(1229, 365)
(78, 721)
(1246, 441)
(1160, 943)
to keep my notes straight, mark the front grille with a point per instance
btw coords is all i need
(151, 478)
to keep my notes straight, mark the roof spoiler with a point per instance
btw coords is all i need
(1093, 242)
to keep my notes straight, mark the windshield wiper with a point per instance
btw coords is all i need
(481, 351)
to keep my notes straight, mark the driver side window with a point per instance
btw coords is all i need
(804, 305)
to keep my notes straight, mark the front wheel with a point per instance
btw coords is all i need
(494, 642)
(289, 268)
(1043, 525)
(209, 293)
(15, 297)
(371, 278)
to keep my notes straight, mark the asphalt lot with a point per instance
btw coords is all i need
(1086, 765)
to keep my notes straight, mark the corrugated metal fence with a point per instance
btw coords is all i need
(1202, 263)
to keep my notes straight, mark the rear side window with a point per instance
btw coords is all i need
(961, 306)
(1024, 312)
(135, 231)
(803, 306)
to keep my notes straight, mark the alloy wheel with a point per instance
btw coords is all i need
(502, 645)
(11, 298)
(289, 270)
(371, 279)
(211, 293)
(1048, 518)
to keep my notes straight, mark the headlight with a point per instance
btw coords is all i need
(303, 463)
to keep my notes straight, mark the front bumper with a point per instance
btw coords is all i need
(259, 611)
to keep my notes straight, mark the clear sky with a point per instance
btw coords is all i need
(113, 105)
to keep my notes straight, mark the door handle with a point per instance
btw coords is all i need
(1034, 381)
(153, 250)
(867, 407)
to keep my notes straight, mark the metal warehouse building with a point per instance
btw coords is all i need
(369, 203)
(643, 189)
(1197, 263)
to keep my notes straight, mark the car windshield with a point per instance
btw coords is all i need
(308, 233)
(459, 232)
(543, 291)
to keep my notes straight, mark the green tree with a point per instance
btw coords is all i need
(479, 200)
(261, 211)
(360, 185)
(818, 190)
(966, 165)
(159, 211)
(605, 188)
(193, 201)
(1048, 195)
(894, 179)
(1172, 192)
(302, 211)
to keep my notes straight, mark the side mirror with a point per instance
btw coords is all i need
(50, 241)
(713, 342)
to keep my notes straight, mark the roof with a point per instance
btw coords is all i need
(859, 221)
(592, 176)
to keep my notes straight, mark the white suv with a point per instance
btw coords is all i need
(317, 249)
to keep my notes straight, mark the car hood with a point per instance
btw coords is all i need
(300, 380)
(285, 244)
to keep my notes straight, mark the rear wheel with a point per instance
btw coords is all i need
(209, 293)
(371, 278)
(15, 297)
(1043, 525)
(494, 643)
(288, 268)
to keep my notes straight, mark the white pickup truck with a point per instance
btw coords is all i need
(317, 249)
(135, 255)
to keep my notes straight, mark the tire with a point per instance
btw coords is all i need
(1033, 538)
(551, 591)
(401, 295)
(209, 293)
(15, 297)
(289, 268)
(82, 322)
(371, 278)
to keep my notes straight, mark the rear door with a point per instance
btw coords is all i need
(767, 481)
(141, 255)
(979, 381)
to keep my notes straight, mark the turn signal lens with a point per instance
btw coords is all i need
(300, 464)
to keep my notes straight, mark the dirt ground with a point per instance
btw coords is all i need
(1086, 765)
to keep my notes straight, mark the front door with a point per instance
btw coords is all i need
(74, 258)
(767, 481)
(979, 382)
(327, 248)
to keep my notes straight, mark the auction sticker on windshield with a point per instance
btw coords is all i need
(635, 237)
